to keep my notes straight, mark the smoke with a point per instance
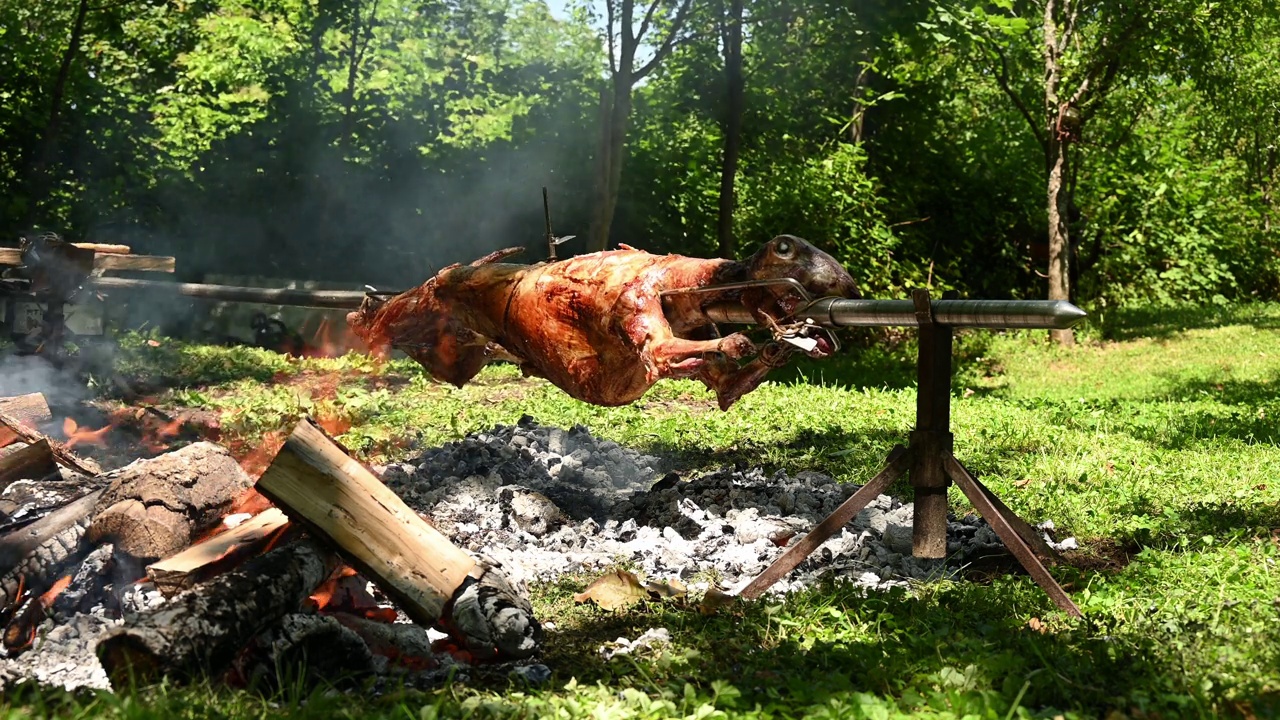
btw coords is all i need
(24, 374)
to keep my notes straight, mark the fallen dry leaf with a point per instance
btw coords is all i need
(153, 343)
(714, 600)
(618, 589)
(1022, 483)
(671, 589)
(1035, 624)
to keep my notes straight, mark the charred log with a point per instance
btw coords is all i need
(32, 558)
(27, 462)
(305, 645)
(199, 632)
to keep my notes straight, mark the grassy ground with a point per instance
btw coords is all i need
(1153, 442)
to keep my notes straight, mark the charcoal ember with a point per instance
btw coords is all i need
(87, 590)
(494, 618)
(315, 648)
(62, 656)
(529, 510)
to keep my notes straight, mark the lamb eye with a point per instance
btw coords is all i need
(784, 248)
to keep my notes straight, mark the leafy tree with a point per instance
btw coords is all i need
(1085, 49)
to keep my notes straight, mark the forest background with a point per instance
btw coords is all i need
(1115, 153)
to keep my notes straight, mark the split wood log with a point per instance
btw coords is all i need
(219, 554)
(31, 409)
(32, 557)
(198, 633)
(31, 461)
(156, 507)
(63, 455)
(315, 481)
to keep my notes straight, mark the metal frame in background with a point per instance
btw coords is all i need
(928, 458)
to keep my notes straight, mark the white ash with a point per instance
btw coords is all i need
(544, 502)
(648, 639)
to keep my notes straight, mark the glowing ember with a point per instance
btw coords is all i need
(46, 600)
(77, 435)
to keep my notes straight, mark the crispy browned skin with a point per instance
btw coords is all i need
(594, 325)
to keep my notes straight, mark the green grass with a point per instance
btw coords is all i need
(1153, 442)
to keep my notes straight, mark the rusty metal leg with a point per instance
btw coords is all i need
(897, 464)
(1001, 523)
(1020, 526)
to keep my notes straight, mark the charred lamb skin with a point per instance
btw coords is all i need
(596, 325)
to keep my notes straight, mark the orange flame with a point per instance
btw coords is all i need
(82, 436)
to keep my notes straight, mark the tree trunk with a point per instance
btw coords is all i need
(727, 247)
(613, 143)
(37, 176)
(1059, 239)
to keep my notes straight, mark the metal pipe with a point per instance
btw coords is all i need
(842, 312)
(331, 299)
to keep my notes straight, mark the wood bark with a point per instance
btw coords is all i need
(156, 507)
(314, 481)
(63, 455)
(732, 40)
(616, 104)
(198, 633)
(31, 558)
(31, 409)
(1056, 157)
(220, 553)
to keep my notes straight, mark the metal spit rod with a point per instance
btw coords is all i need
(842, 312)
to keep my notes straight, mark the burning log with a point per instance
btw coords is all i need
(200, 631)
(31, 409)
(314, 480)
(62, 454)
(326, 648)
(30, 558)
(156, 507)
(219, 554)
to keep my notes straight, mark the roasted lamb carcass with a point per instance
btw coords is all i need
(603, 327)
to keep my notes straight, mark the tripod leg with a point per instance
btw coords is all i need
(1005, 529)
(897, 465)
(1020, 526)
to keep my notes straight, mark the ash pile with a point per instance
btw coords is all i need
(544, 502)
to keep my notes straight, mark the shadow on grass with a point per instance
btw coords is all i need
(876, 358)
(962, 641)
(1162, 323)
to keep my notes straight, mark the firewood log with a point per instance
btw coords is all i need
(29, 434)
(31, 461)
(198, 633)
(156, 507)
(315, 481)
(32, 557)
(30, 409)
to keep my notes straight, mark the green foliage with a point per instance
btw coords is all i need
(1170, 221)
(829, 199)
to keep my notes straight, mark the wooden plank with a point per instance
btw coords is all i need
(140, 263)
(314, 480)
(105, 248)
(218, 554)
(107, 260)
